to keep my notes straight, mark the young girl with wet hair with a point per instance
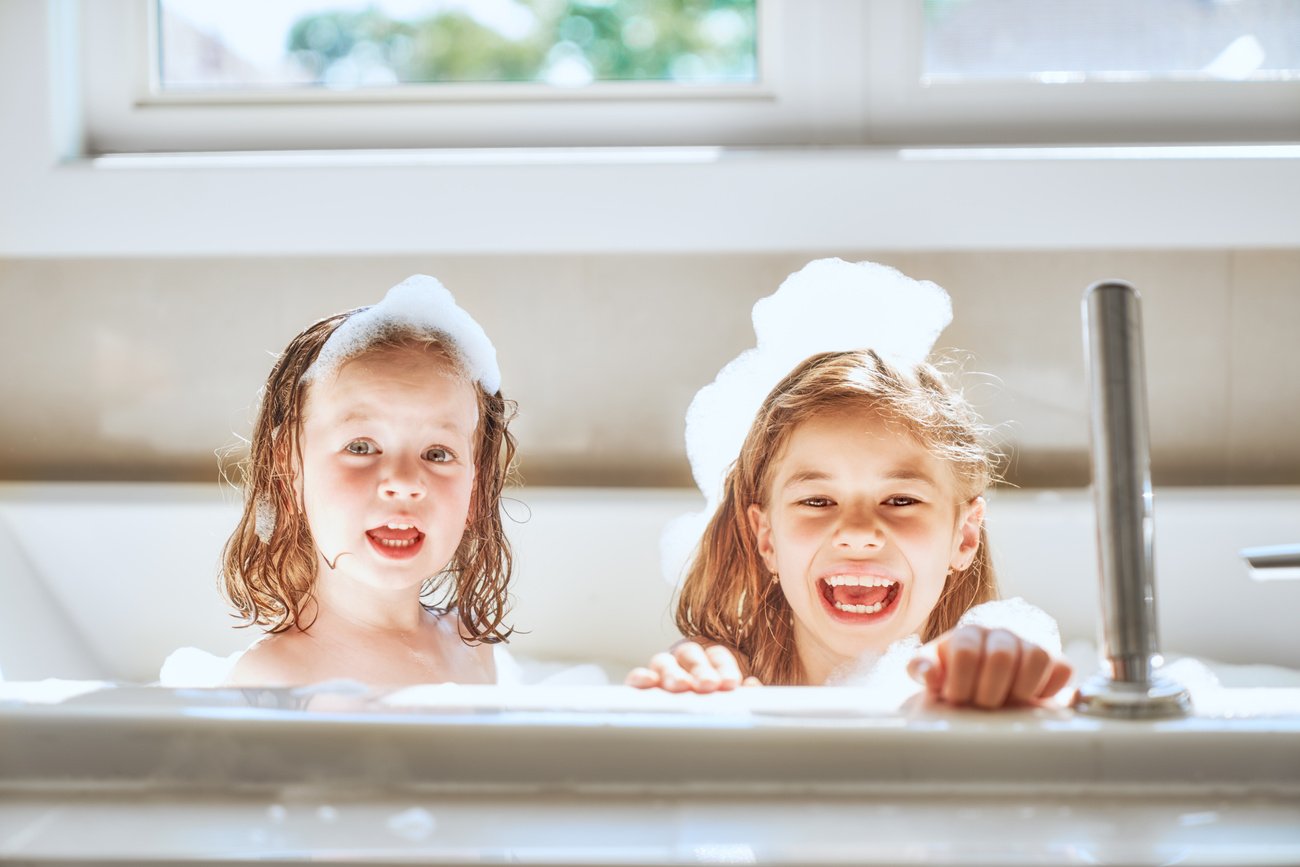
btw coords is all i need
(371, 545)
(851, 527)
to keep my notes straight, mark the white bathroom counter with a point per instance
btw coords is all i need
(609, 775)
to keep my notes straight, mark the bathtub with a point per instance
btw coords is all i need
(102, 582)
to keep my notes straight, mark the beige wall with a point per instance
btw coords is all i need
(141, 369)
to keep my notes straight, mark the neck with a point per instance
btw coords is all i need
(819, 661)
(342, 598)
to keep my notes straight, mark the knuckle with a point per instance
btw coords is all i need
(662, 660)
(719, 654)
(690, 654)
(1003, 638)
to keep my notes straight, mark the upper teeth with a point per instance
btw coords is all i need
(400, 526)
(859, 581)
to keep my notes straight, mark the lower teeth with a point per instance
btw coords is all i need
(860, 609)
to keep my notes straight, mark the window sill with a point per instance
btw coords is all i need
(676, 199)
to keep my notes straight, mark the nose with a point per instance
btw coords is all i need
(401, 481)
(859, 530)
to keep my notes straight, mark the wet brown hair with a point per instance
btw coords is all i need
(270, 583)
(728, 596)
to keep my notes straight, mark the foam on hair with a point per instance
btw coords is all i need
(827, 306)
(421, 304)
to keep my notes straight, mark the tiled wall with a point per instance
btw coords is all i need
(132, 369)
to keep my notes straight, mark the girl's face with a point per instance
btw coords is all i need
(388, 466)
(862, 524)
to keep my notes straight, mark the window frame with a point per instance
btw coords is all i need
(630, 200)
(816, 87)
(124, 111)
(904, 109)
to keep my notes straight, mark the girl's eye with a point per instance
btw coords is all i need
(901, 500)
(361, 447)
(439, 455)
(817, 502)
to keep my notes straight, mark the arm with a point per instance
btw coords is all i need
(689, 666)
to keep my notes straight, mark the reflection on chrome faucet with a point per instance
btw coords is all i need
(1122, 493)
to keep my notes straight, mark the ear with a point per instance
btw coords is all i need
(966, 539)
(762, 529)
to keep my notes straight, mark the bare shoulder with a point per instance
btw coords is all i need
(475, 654)
(276, 660)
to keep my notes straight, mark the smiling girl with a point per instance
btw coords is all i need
(852, 524)
(374, 479)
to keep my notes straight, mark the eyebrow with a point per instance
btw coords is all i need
(356, 415)
(899, 474)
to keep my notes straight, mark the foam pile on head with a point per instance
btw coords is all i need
(828, 306)
(420, 305)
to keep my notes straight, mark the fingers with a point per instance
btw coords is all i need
(988, 669)
(960, 654)
(998, 669)
(725, 665)
(924, 668)
(690, 667)
(642, 678)
(702, 676)
(1057, 678)
(1035, 666)
(672, 676)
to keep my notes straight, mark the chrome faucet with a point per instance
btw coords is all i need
(1121, 483)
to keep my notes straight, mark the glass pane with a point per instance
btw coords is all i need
(379, 43)
(1075, 40)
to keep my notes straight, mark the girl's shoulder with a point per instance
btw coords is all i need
(278, 659)
(450, 627)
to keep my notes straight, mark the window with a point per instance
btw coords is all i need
(390, 45)
(184, 75)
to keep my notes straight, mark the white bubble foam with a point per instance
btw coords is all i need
(424, 305)
(194, 667)
(413, 824)
(829, 305)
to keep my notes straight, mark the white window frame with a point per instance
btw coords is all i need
(904, 109)
(126, 112)
(58, 200)
(831, 72)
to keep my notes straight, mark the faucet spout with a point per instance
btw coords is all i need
(1121, 483)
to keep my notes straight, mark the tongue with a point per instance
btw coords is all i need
(859, 595)
(388, 534)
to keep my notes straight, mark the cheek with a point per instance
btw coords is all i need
(325, 489)
(796, 541)
(455, 489)
(932, 538)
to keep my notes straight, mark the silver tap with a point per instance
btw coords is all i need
(1131, 689)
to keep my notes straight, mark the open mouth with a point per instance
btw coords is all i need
(859, 598)
(396, 540)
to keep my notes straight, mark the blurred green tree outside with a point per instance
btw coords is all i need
(569, 42)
